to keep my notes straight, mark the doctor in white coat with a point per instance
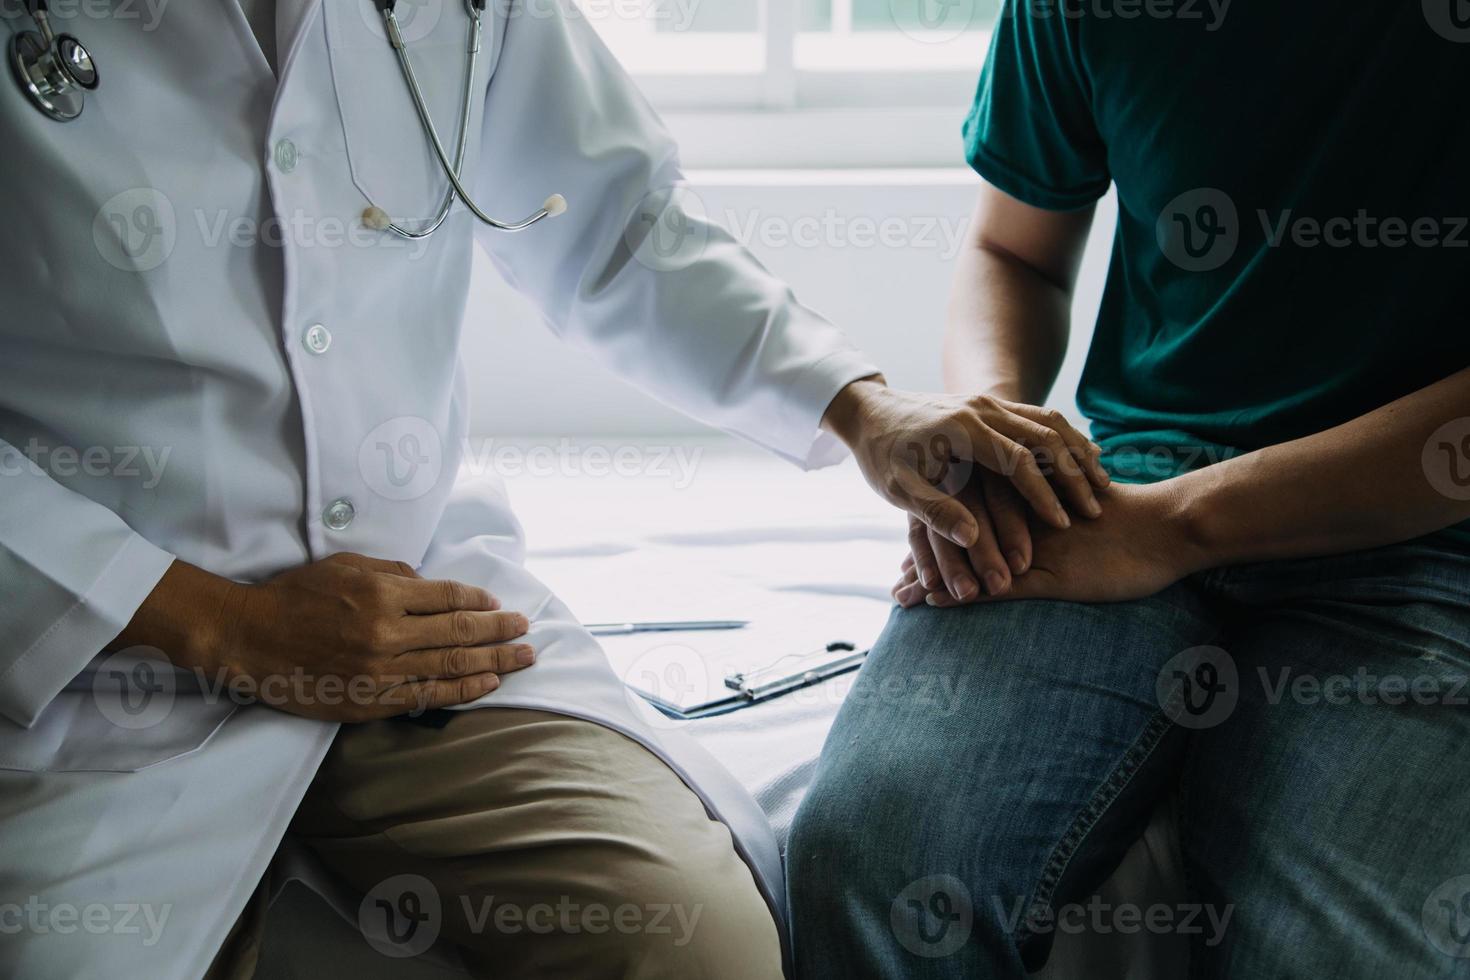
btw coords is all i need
(217, 372)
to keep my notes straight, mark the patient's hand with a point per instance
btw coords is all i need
(1138, 547)
(1002, 550)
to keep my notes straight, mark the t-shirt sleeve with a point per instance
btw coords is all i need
(1031, 131)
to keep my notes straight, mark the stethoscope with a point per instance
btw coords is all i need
(55, 71)
(375, 217)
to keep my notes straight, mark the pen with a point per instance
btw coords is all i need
(622, 629)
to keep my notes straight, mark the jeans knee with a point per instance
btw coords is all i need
(834, 830)
(883, 883)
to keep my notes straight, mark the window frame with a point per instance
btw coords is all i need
(784, 116)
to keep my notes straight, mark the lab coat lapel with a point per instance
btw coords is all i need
(291, 18)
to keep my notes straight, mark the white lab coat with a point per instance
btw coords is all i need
(151, 326)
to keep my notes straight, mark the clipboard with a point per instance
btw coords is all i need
(786, 673)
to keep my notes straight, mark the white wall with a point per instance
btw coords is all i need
(871, 250)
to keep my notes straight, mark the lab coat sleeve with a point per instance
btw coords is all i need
(689, 316)
(72, 573)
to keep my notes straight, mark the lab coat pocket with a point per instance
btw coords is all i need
(121, 714)
(393, 162)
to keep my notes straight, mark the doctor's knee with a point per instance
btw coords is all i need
(660, 919)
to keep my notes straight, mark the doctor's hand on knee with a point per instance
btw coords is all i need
(348, 638)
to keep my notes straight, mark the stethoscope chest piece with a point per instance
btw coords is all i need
(42, 79)
(55, 72)
(76, 61)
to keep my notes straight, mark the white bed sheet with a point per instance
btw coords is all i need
(648, 546)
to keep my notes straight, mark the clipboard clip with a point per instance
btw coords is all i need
(767, 681)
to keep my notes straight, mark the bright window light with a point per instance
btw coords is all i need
(893, 35)
(662, 37)
(781, 39)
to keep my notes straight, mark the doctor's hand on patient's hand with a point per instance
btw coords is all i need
(971, 471)
(1001, 552)
(348, 638)
(1140, 546)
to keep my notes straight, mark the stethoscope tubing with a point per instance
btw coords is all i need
(464, 127)
(63, 98)
(395, 38)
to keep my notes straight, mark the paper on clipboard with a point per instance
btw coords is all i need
(684, 672)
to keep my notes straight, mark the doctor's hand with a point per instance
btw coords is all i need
(348, 638)
(922, 451)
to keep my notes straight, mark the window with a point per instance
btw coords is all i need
(792, 54)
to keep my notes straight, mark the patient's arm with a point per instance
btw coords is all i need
(1384, 477)
(1009, 313)
(1011, 301)
(1393, 474)
(1396, 473)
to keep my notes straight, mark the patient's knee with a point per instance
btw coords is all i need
(884, 877)
(861, 833)
(841, 817)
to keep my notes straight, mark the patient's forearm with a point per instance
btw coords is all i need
(1360, 485)
(1007, 328)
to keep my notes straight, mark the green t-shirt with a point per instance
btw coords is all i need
(1293, 182)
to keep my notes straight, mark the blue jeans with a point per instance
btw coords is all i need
(993, 763)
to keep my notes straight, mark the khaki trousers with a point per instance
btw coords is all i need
(541, 845)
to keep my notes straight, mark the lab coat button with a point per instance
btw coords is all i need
(285, 154)
(339, 514)
(317, 338)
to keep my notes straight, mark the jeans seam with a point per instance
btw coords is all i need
(1186, 866)
(1112, 787)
